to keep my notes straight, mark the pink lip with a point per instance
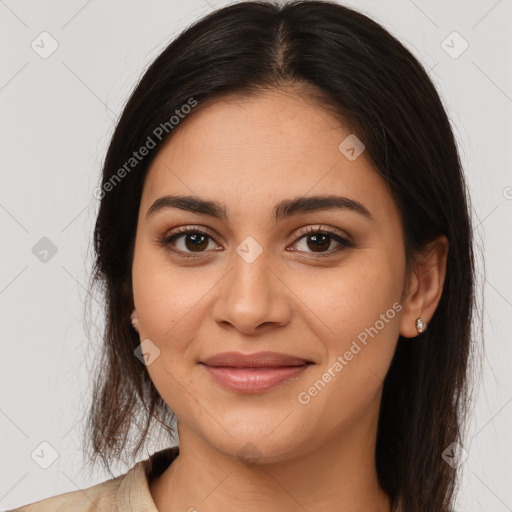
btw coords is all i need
(254, 380)
(254, 373)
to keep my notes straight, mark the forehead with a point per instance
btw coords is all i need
(254, 151)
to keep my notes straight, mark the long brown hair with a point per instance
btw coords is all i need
(378, 88)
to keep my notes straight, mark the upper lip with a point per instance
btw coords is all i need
(254, 360)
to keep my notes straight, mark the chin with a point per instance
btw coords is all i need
(254, 444)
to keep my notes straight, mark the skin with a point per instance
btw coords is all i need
(249, 154)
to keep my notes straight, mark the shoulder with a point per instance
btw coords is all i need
(97, 497)
(127, 492)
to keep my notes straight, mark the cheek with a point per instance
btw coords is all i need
(351, 297)
(166, 297)
(168, 306)
(359, 308)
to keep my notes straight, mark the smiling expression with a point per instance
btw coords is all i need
(256, 233)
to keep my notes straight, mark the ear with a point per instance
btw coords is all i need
(134, 320)
(425, 286)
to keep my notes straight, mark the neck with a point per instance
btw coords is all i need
(336, 474)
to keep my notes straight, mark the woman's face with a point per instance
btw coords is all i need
(257, 283)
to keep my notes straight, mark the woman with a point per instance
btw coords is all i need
(286, 253)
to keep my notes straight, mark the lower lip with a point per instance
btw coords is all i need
(254, 380)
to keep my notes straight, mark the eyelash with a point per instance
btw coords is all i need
(167, 239)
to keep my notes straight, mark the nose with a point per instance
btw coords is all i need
(252, 298)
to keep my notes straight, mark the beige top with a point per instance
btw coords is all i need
(126, 493)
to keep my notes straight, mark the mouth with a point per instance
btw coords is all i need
(254, 373)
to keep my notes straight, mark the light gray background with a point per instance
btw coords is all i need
(57, 115)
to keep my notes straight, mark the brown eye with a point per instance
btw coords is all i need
(195, 241)
(319, 241)
(187, 241)
(190, 242)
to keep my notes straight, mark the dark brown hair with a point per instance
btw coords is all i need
(356, 69)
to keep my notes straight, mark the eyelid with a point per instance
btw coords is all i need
(320, 228)
(191, 228)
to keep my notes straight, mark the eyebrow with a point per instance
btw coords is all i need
(282, 210)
